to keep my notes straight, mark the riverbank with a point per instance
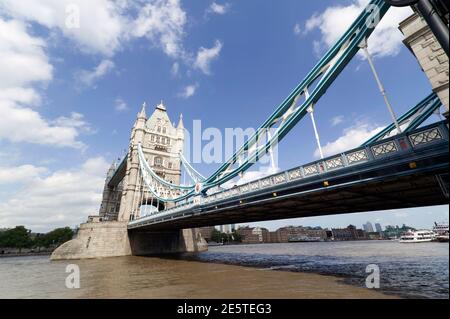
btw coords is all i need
(46, 253)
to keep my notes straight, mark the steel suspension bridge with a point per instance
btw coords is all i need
(404, 165)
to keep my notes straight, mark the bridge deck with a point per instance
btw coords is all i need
(408, 170)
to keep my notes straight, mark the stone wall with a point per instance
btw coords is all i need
(430, 55)
(112, 239)
(96, 240)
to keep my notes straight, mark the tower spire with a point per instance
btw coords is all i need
(161, 106)
(181, 123)
(142, 113)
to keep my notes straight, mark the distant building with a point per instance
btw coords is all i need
(396, 231)
(207, 232)
(368, 228)
(349, 233)
(253, 235)
(227, 229)
(378, 228)
(283, 234)
(286, 234)
(374, 236)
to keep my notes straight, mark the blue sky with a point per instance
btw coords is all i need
(69, 96)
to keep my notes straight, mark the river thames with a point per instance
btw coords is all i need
(297, 270)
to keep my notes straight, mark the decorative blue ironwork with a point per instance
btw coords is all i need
(419, 138)
(426, 137)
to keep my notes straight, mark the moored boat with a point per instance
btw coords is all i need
(420, 236)
(441, 230)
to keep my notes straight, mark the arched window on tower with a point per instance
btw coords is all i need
(159, 129)
(164, 130)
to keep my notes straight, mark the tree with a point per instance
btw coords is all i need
(55, 238)
(18, 237)
(216, 236)
(236, 237)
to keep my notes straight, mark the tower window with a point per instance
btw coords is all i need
(153, 138)
(164, 130)
(170, 165)
(159, 129)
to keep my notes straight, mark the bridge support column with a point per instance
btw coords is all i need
(112, 239)
(96, 240)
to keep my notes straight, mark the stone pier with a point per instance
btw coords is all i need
(112, 239)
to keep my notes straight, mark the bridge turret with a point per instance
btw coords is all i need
(138, 131)
(111, 170)
(110, 205)
(141, 118)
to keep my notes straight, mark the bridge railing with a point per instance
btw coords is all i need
(403, 143)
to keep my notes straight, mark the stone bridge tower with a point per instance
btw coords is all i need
(107, 235)
(161, 142)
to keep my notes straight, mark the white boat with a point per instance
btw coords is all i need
(305, 239)
(441, 230)
(420, 236)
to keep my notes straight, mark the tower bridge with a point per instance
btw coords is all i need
(147, 210)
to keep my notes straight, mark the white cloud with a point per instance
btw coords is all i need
(20, 123)
(175, 69)
(20, 174)
(189, 91)
(251, 176)
(106, 26)
(297, 29)
(162, 22)
(89, 78)
(351, 138)
(335, 20)
(20, 51)
(217, 8)
(76, 121)
(24, 125)
(206, 56)
(335, 121)
(63, 198)
(120, 105)
(102, 23)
